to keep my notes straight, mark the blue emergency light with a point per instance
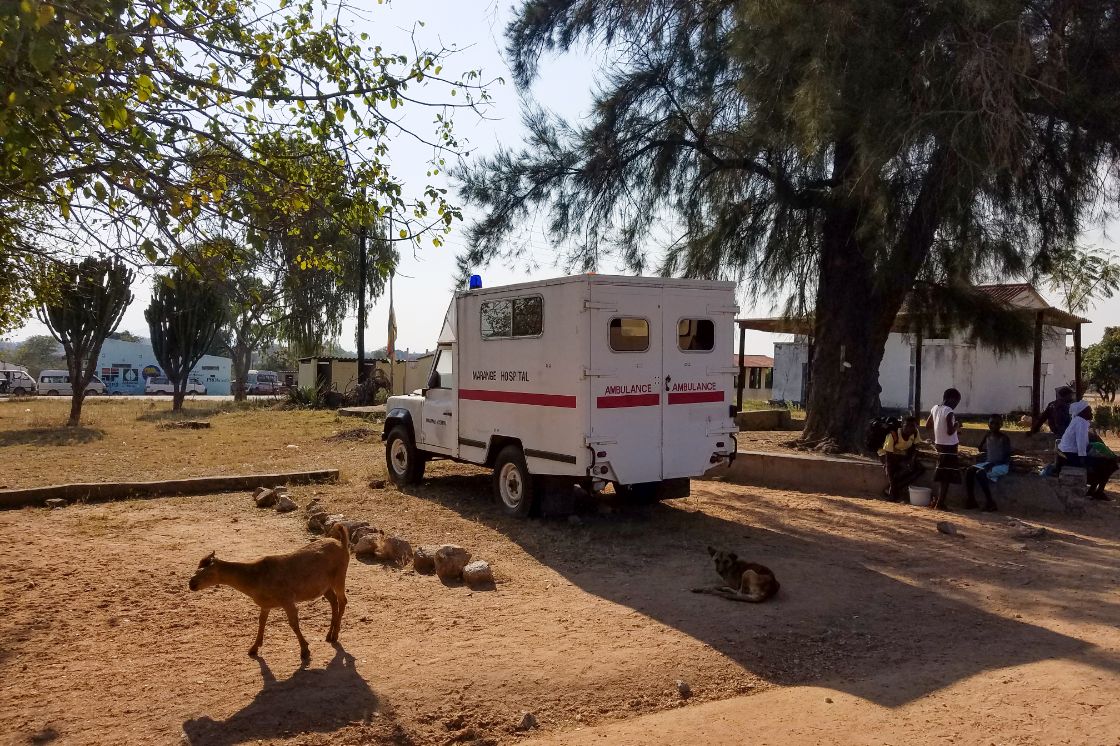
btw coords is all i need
(476, 282)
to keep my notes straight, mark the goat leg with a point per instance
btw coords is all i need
(260, 633)
(293, 619)
(340, 594)
(332, 633)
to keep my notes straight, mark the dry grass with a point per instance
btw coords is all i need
(129, 439)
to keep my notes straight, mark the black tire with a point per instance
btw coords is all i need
(403, 461)
(52, 392)
(516, 497)
(18, 391)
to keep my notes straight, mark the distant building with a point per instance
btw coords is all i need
(125, 368)
(759, 379)
(915, 370)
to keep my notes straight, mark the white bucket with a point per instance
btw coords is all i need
(921, 496)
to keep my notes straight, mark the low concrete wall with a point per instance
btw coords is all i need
(1021, 441)
(764, 419)
(1018, 493)
(103, 491)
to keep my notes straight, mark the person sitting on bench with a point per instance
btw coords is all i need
(1078, 448)
(900, 459)
(994, 462)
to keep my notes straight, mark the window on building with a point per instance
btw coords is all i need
(629, 334)
(696, 335)
(512, 317)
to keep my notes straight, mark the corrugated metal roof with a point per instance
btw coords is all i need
(1007, 293)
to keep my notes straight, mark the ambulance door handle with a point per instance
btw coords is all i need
(668, 380)
(448, 414)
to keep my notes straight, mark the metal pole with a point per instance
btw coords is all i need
(362, 372)
(1078, 387)
(742, 367)
(1036, 383)
(918, 373)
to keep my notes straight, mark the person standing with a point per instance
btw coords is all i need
(995, 462)
(1056, 417)
(943, 422)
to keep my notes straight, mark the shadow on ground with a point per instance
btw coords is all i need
(840, 620)
(309, 701)
(50, 436)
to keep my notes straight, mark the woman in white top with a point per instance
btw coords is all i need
(945, 426)
(1076, 449)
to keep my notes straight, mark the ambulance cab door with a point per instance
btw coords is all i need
(625, 379)
(698, 377)
(439, 431)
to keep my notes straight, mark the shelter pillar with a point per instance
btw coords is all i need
(917, 403)
(1078, 388)
(1036, 386)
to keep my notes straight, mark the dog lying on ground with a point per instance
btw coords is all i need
(283, 580)
(745, 581)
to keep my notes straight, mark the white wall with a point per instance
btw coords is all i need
(124, 366)
(989, 383)
(789, 357)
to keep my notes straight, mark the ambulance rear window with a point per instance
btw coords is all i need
(629, 334)
(696, 335)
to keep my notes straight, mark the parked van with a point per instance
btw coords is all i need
(588, 379)
(57, 383)
(163, 385)
(262, 382)
(17, 383)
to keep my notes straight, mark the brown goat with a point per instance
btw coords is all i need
(283, 580)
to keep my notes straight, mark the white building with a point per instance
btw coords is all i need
(988, 381)
(126, 366)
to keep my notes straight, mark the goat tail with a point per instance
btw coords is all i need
(341, 532)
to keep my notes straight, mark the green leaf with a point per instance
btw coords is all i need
(41, 52)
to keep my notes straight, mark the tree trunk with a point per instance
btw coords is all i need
(242, 359)
(178, 396)
(847, 353)
(78, 391)
(76, 402)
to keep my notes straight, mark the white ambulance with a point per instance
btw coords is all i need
(587, 379)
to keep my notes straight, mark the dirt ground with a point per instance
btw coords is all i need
(885, 631)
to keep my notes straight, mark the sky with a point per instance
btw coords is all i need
(425, 277)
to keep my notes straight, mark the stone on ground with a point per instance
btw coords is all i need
(684, 689)
(424, 560)
(56, 502)
(366, 545)
(946, 528)
(450, 561)
(265, 497)
(285, 504)
(528, 722)
(478, 573)
(393, 549)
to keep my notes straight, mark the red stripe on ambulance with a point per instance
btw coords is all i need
(519, 397)
(695, 397)
(628, 400)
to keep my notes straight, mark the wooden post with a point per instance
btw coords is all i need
(1036, 392)
(742, 367)
(807, 383)
(1078, 388)
(918, 374)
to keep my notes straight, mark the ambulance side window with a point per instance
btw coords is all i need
(512, 317)
(696, 335)
(442, 374)
(629, 334)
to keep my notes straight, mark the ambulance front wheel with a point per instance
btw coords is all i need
(404, 463)
(513, 484)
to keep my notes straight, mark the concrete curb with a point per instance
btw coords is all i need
(106, 491)
(1017, 493)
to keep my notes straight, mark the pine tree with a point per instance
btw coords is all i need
(837, 158)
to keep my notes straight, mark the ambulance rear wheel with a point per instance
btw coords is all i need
(513, 484)
(403, 462)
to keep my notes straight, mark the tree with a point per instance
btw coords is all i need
(818, 153)
(81, 303)
(1081, 275)
(1101, 364)
(38, 353)
(107, 101)
(185, 314)
(125, 336)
